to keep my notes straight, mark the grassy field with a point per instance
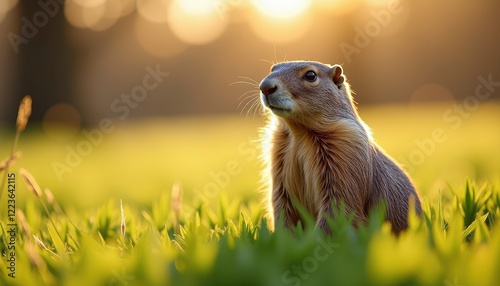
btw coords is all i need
(176, 202)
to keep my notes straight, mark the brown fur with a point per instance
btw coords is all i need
(320, 152)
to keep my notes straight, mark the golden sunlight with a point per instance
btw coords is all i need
(126, 6)
(153, 10)
(274, 30)
(89, 3)
(338, 7)
(195, 23)
(111, 13)
(97, 15)
(78, 15)
(378, 2)
(199, 7)
(282, 8)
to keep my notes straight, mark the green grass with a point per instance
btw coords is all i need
(221, 237)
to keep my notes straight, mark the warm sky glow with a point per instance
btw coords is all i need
(75, 14)
(378, 2)
(89, 3)
(88, 16)
(203, 21)
(276, 31)
(338, 7)
(282, 8)
(200, 22)
(195, 24)
(98, 15)
(153, 10)
(197, 6)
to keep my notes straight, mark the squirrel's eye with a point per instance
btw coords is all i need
(310, 76)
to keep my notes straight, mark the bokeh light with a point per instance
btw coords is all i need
(337, 7)
(85, 14)
(75, 14)
(126, 6)
(153, 10)
(156, 38)
(97, 15)
(199, 7)
(276, 31)
(379, 3)
(89, 3)
(235, 11)
(282, 8)
(195, 21)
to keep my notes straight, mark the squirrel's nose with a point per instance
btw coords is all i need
(268, 86)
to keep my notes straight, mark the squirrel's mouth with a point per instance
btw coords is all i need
(277, 106)
(280, 110)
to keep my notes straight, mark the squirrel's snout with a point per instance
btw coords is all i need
(268, 86)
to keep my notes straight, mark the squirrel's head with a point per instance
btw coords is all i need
(305, 92)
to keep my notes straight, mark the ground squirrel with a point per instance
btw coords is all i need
(319, 152)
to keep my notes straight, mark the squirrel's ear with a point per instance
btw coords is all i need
(338, 76)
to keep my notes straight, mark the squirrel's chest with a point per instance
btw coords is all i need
(301, 178)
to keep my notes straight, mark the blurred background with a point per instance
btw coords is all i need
(86, 53)
(414, 65)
